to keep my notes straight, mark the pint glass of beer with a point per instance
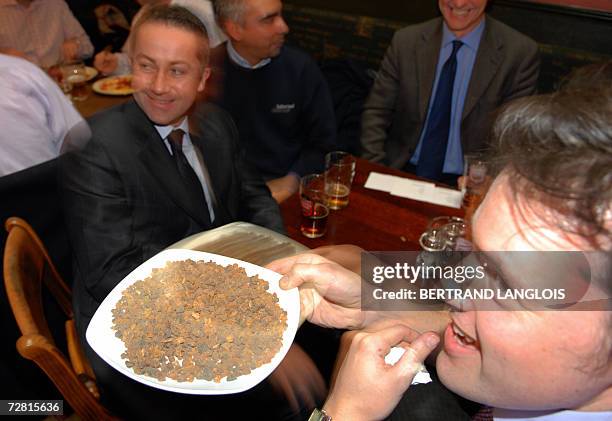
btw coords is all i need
(314, 206)
(339, 173)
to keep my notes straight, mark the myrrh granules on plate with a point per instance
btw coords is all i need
(198, 320)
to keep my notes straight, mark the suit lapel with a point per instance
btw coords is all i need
(156, 158)
(488, 60)
(428, 52)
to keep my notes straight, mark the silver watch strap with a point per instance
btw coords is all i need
(319, 415)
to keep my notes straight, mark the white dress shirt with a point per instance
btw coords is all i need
(37, 120)
(241, 61)
(40, 29)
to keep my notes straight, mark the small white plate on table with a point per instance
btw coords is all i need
(101, 336)
(114, 85)
(90, 73)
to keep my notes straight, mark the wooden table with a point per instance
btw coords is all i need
(373, 220)
(96, 102)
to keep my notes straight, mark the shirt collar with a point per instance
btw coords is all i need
(164, 131)
(472, 39)
(240, 61)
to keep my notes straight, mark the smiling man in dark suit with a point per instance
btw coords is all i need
(438, 86)
(154, 172)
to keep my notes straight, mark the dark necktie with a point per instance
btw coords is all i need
(435, 139)
(190, 179)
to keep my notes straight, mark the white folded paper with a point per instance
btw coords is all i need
(394, 355)
(422, 377)
(445, 197)
(382, 182)
(414, 189)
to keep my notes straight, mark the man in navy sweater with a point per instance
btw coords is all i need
(276, 95)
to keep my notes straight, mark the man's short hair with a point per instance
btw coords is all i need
(229, 10)
(177, 17)
(560, 147)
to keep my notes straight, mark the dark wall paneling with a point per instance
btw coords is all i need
(328, 34)
(568, 37)
(602, 5)
(556, 25)
(407, 11)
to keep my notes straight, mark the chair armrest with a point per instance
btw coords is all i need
(79, 361)
(57, 367)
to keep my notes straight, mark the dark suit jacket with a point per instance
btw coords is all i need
(124, 202)
(506, 67)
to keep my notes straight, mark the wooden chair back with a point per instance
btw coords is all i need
(27, 267)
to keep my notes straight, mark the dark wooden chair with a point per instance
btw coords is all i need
(26, 267)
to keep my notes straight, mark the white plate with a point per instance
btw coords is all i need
(90, 72)
(105, 86)
(103, 341)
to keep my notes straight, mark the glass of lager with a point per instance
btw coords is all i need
(339, 173)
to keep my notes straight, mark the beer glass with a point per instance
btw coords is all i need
(74, 75)
(339, 173)
(475, 176)
(453, 231)
(313, 202)
(445, 233)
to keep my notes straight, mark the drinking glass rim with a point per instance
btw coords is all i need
(343, 155)
(313, 177)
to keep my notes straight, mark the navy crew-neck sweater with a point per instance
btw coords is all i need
(283, 111)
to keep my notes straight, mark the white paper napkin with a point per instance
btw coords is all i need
(382, 182)
(394, 355)
(422, 191)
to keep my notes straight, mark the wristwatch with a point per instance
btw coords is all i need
(319, 415)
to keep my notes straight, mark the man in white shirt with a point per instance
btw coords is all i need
(38, 121)
(42, 31)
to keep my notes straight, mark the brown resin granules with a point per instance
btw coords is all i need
(198, 320)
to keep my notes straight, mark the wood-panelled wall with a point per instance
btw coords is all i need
(362, 30)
